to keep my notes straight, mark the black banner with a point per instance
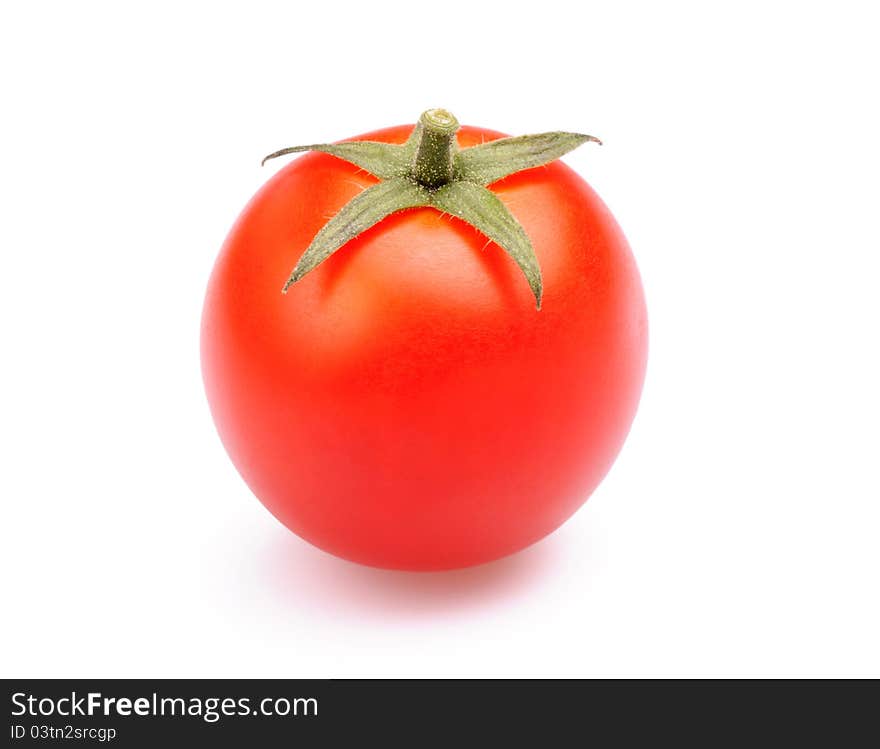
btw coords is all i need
(135, 713)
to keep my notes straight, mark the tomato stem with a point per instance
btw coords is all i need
(430, 170)
(435, 148)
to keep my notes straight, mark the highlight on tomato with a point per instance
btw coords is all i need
(424, 347)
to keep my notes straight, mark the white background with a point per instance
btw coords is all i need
(737, 535)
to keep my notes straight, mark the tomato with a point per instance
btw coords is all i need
(406, 405)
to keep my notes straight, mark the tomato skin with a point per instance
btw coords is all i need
(405, 405)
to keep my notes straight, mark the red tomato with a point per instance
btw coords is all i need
(405, 405)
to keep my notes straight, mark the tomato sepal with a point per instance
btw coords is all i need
(483, 210)
(358, 215)
(382, 160)
(497, 159)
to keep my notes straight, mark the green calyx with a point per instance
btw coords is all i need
(431, 170)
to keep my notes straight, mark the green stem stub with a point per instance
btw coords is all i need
(430, 170)
(435, 148)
